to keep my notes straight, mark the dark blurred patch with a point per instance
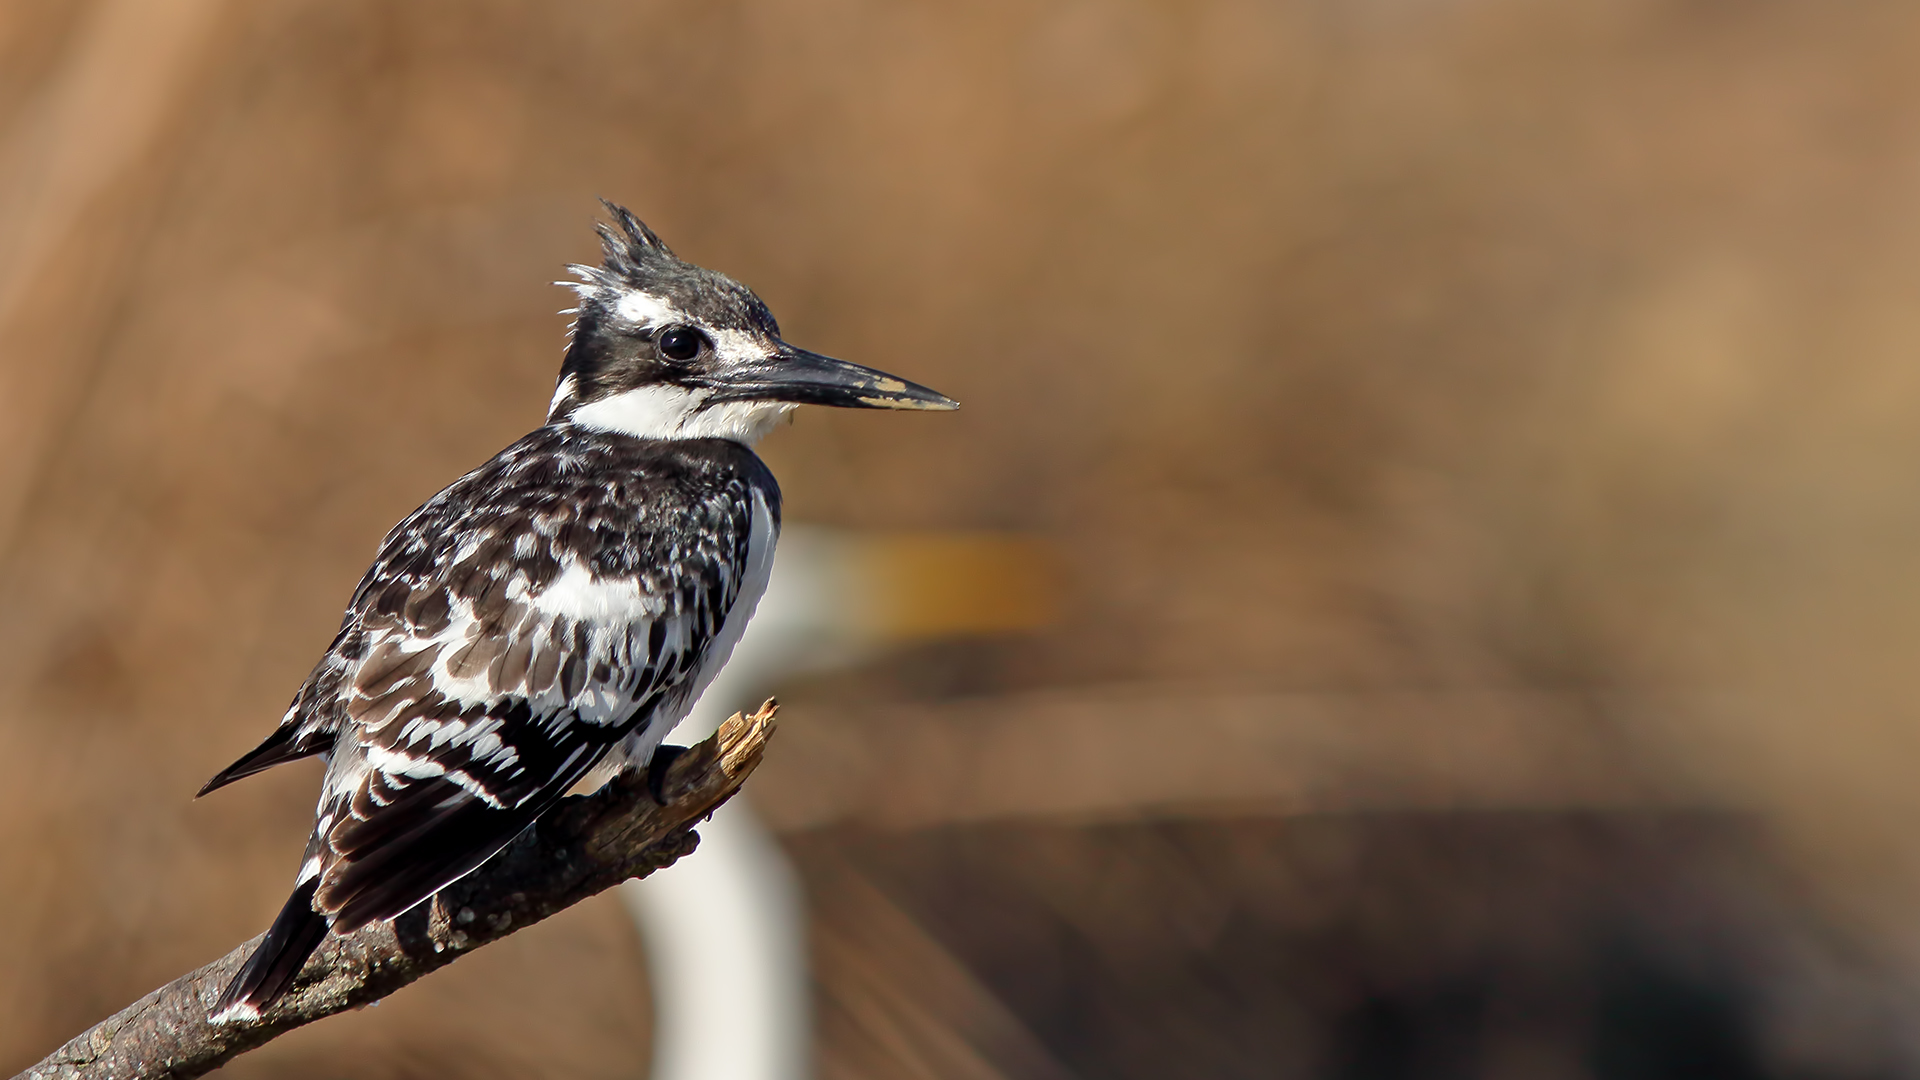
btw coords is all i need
(1657, 1022)
(1371, 947)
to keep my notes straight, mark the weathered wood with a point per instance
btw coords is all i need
(587, 844)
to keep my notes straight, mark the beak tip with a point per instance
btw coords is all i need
(907, 397)
(934, 402)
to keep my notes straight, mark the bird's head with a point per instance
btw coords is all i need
(663, 349)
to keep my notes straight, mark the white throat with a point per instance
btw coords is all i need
(672, 412)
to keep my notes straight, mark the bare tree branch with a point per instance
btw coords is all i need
(585, 845)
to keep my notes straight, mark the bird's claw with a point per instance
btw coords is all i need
(663, 758)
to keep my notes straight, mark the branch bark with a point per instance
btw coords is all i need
(585, 845)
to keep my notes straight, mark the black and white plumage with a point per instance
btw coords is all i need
(549, 617)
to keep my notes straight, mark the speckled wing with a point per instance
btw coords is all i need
(500, 647)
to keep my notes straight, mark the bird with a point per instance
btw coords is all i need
(544, 621)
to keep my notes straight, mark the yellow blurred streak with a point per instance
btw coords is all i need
(930, 585)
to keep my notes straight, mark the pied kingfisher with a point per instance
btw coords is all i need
(551, 615)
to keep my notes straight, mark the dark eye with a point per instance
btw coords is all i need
(679, 343)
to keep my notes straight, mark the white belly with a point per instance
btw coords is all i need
(636, 750)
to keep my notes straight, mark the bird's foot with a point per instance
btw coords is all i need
(663, 758)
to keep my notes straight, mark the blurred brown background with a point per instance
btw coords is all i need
(1477, 438)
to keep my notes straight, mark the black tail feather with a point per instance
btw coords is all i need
(281, 954)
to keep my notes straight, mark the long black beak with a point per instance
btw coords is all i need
(807, 378)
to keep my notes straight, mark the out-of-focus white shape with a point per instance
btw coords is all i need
(725, 929)
(726, 957)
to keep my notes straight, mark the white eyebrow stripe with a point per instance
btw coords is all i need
(641, 309)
